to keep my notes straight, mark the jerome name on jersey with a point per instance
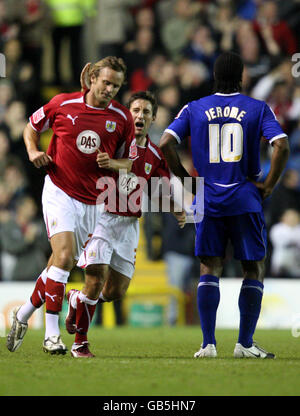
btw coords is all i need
(230, 112)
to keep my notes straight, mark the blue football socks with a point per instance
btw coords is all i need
(208, 297)
(249, 304)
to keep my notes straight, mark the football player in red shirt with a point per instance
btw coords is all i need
(84, 125)
(112, 248)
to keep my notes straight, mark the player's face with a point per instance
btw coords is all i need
(106, 86)
(142, 114)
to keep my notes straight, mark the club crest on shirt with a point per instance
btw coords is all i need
(148, 168)
(88, 141)
(53, 223)
(110, 126)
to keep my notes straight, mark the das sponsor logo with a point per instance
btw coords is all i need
(127, 183)
(88, 141)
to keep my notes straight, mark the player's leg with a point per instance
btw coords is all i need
(62, 215)
(37, 299)
(21, 314)
(63, 249)
(211, 239)
(250, 299)
(122, 263)
(249, 241)
(115, 286)
(84, 303)
(208, 298)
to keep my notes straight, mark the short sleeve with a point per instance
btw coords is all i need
(43, 118)
(270, 127)
(180, 127)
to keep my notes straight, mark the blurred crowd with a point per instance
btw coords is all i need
(169, 47)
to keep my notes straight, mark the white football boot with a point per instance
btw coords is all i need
(54, 345)
(209, 351)
(16, 334)
(252, 352)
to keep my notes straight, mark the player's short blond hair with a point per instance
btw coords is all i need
(117, 64)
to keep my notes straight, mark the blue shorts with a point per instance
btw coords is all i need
(247, 233)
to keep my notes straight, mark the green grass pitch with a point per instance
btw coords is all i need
(151, 362)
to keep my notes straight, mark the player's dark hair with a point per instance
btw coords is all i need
(228, 72)
(144, 95)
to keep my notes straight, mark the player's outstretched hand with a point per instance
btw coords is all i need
(103, 160)
(84, 81)
(39, 159)
(181, 218)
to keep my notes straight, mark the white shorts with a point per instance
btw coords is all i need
(63, 213)
(114, 242)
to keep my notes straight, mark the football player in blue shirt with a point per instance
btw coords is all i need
(225, 130)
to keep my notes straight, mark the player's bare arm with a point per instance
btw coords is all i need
(105, 162)
(279, 158)
(31, 139)
(167, 145)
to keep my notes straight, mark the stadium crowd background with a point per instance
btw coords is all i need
(169, 47)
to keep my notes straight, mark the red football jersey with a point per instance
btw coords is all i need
(78, 131)
(124, 193)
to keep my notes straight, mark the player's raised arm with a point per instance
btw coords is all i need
(167, 145)
(31, 140)
(279, 158)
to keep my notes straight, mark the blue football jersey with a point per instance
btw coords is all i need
(225, 132)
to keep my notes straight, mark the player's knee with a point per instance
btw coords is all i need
(211, 265)
(115, 292)
(93, 288)
(64, 259)
(254, 270)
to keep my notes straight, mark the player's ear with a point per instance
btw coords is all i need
(85, 78)
(93, 79)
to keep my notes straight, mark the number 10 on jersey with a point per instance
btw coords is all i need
(225, 142)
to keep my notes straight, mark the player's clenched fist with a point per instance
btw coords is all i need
(39, 159)
(103, 160)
